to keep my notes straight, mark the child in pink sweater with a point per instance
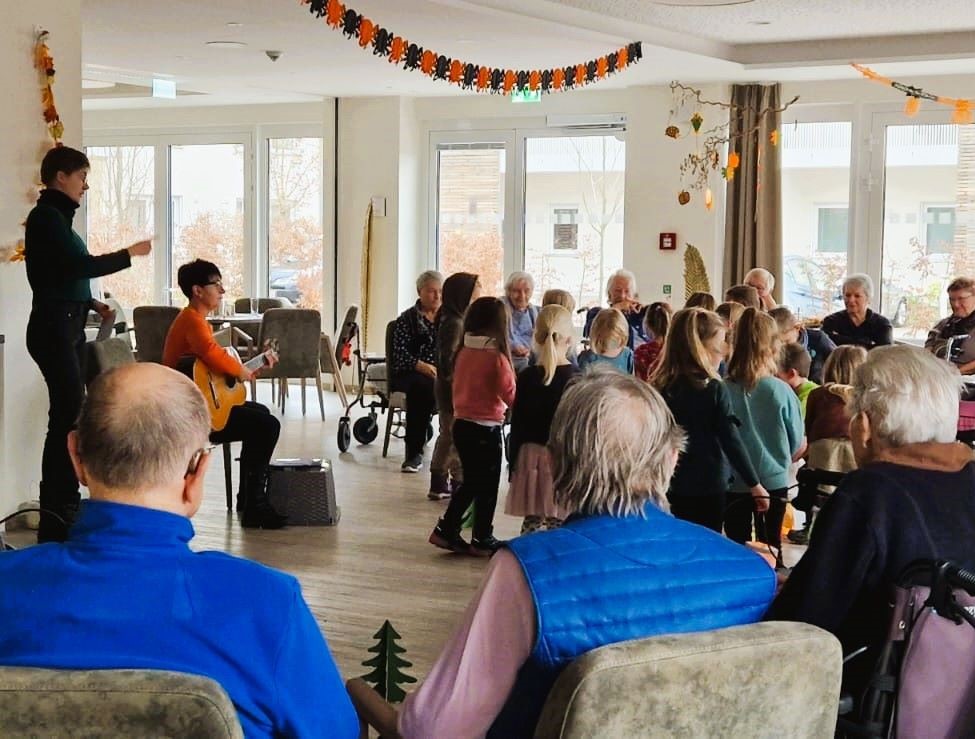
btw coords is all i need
(483, 387)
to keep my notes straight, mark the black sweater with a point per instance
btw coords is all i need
(705, 413)
(59, 266)
(535, 406)
(874, 331)
(880, 519)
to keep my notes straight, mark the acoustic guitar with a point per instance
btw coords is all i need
(223, 392)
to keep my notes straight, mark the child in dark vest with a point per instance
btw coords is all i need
(483, 388)
(540, 388)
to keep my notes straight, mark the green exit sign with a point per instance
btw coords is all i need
(526, 96)
(666, 289)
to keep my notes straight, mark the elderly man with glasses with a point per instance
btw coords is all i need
(191, 337)
(126, 591)
(961, 323)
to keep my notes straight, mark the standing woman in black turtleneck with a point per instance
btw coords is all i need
(59, 268)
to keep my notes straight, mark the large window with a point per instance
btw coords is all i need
(295, 220)
(207, 181)
(815, 214)
(470, 211)
(120, 210)
(549, 202)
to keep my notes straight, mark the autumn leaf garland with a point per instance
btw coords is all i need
(409, 55)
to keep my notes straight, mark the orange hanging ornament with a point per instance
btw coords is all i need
(963, 112)
(708, 199)
(912, 105)
(509, 81)
(367, 32)
(396, 49)
(534, 80)
(602, 66)
(733, 160)
(580, 75)
(427, 62)
(558, 79)
(334, 12)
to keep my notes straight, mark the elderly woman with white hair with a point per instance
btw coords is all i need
(911, 498)
(857, 324)
(620, 568)
(414, 363)
(621, 294)
(763, 281)
(518, 291)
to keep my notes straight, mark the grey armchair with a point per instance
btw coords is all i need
(298, 332)
(100, 703)
(243, 305)
(151, 324)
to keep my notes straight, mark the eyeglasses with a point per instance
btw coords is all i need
(197, 457)
(218, 283)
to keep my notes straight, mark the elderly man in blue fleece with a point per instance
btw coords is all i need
(126, 591)
(517, 296)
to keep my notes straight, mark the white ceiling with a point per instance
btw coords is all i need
(130, 42)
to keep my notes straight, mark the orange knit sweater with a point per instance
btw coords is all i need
(191, 335)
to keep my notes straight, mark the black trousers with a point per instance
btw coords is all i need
(768, 526)
(706, 510)
(420, 404)
(479, 448)
(253, 424)
(56, 342)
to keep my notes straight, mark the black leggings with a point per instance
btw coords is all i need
(768, 526)
(479, 448)
(253, 424)
(420, 404)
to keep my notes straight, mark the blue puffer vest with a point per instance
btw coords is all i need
(602, 579)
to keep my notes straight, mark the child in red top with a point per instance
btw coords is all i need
(656, 323)
(483, 387)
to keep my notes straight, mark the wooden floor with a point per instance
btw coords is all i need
(376, 563)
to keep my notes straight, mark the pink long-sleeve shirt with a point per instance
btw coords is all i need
(474, 674)
(484, 381)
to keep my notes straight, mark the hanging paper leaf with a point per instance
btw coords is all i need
(708, 199)
(733, 160)
(683, 197)
(773, 138)
(963, 112)
(696, 120)
(912, 106)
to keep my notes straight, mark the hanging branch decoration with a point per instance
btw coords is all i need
(698, 166)
(962, 107)
(44, 63)
(695, 273)
(402, 52)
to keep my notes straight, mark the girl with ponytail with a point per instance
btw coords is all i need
(540, 388)
(687, 377)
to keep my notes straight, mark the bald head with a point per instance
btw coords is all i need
(139, 427)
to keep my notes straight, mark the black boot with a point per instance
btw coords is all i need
(57, 516)
(258, 513)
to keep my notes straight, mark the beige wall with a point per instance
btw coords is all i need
(24, 398)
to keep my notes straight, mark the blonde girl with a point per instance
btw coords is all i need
(688, 380)
(537, 397)
(771, 428)
(608, 337)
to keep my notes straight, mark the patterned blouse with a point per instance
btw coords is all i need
(414, 340)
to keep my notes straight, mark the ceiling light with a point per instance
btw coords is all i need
(760, 23)
(234, 24)
(226, 44)
(701, 3)
(96, 85)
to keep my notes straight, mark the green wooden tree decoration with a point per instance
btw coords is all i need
(387, 676)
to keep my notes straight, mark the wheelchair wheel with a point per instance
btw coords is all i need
(344, 436)
(366, 429)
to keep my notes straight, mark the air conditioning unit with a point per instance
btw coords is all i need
(592, 120)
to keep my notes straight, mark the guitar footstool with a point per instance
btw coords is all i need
(304, 491)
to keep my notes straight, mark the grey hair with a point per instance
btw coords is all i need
(909, 395)
(518, 276)
(624, 273)
(767, 276)
(613, 445)
(132, 438)
(431, 275)
(860, 281)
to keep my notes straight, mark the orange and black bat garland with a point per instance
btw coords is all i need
(402, 52)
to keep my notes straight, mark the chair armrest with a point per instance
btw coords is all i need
(372, 709)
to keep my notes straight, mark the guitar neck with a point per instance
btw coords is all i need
(257, 362)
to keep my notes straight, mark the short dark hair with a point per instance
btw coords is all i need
(62, 159)
(744, 294)
(795, 357)
(197, 272)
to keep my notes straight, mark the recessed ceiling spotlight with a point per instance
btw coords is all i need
(234, 24)
(701, 3)
(226, 44)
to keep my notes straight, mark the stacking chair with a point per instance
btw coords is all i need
(243, 305)
(396, 413)
(298, 332)
(151, 324)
